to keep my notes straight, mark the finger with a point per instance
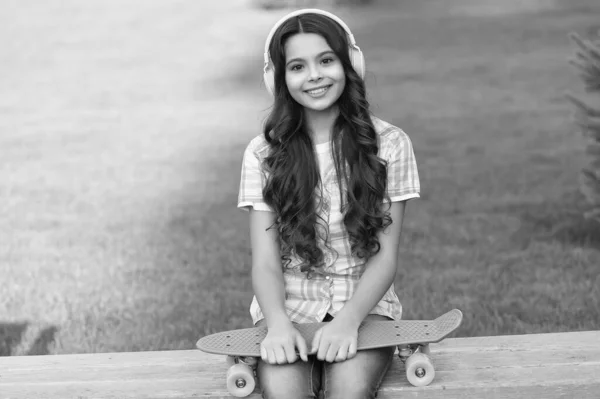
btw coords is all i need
(352, 349)
(280, 355)
(323, 350)
(290, 352)
(263, 354)
(342, 353)
(331, 353)
(302, 349)
(316, 342)
(271, 356)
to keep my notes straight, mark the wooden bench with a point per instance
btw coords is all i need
(539, 366)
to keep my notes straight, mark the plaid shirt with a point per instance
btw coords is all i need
(309, 300)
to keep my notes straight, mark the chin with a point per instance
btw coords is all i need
(318, 108)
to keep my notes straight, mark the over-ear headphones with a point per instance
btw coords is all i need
(356, 56)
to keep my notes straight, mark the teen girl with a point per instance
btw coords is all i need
(326, 186)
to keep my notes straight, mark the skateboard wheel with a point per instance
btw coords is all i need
(240, 380)
(419, 370)
(424, 349)
(230, 360)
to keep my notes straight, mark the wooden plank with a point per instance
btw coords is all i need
(561, 365)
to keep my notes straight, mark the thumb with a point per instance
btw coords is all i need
(315, 342)
(301, 345)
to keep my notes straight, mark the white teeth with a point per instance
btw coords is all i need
(318, 91)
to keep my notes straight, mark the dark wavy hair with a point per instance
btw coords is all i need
(293, 175)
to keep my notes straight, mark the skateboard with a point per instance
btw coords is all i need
(412, 337)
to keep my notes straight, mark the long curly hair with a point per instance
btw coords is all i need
(293, 175)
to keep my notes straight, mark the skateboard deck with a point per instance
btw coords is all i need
(371, 334)
(412, 337)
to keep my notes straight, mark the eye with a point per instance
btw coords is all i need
(328, 60)
(296, 67)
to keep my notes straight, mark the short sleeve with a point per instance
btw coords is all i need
(403, 177)
(251, 182)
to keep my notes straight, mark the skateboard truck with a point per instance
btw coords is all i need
(405, 351)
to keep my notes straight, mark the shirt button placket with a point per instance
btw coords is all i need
(328, 263)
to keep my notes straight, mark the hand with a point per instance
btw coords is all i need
(279, 346)
(337, 341)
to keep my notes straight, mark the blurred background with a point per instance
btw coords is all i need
(122, 130)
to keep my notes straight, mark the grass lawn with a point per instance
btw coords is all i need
(121, 151)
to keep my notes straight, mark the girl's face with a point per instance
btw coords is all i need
(314, 75)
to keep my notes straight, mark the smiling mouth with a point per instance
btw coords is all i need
(318, 90)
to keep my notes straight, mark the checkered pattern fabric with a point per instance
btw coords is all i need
(309, 300)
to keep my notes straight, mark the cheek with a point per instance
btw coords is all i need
(294, 85)
(340, 75)
(292, 82)
(341, 79)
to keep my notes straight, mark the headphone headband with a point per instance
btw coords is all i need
(267, 57)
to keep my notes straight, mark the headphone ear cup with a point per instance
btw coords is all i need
(269, 78)
(358, 61)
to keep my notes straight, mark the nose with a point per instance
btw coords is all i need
(314, 73)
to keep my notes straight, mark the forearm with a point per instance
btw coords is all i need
(374, 283)
(269, 289)
(380, 271)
